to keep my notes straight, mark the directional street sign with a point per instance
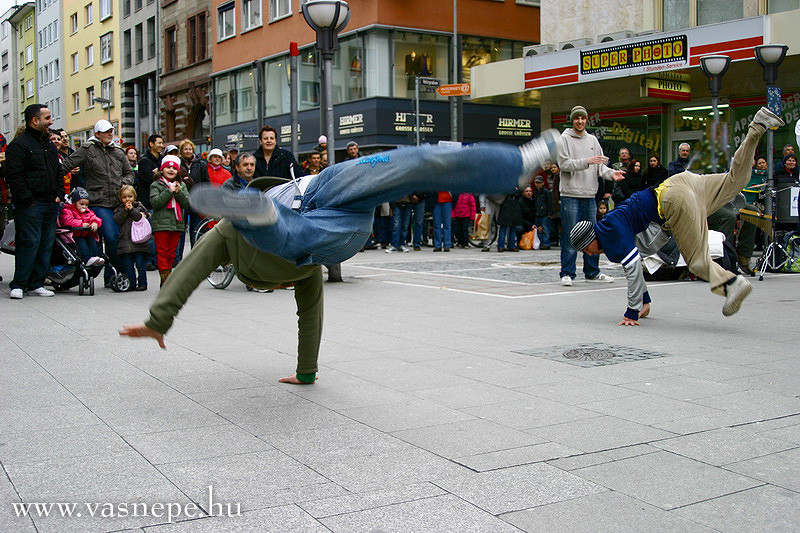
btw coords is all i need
(454, 89)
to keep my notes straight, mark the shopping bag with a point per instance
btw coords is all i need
(527, 240)
(141, 231)
(7, 242)
(482, 225)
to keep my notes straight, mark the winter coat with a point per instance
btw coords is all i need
(632, 183)
(542, 199)
(578, 177)
(144, 174)
(124, 220)
(785, 176)
(279, 164)
(106, 168)
(217, 176)
(32, 169)
(653, 177)
(443, 196)
(163, 218)
(465, 206)
(70, 217)
(677, 166)
(510, 212)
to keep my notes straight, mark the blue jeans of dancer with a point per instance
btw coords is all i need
(401, 217)
(35, 227)
(335, 216)
(133, 264)
(442, 225)
(417, 219)
(573, 210)
(87, 247)
(544, 222)
(507, 238)
(110, 233)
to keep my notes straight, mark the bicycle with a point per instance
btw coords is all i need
(223, 275)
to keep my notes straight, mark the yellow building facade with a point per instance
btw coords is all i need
(91, 65)
(24, 23)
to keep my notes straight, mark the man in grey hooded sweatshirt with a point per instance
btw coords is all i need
(581, 161)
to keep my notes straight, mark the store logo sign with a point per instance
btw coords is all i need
(514, 127)
(635, 55)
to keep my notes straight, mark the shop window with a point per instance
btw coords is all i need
(234, 98)
(419, 55)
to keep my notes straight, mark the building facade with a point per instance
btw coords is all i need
(9, 84)
(50, 59)
(92, 70)
(139, 72)
(185, 72)
(638, 74)
(385, 46)
(23, 23)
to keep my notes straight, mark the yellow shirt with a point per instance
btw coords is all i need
(659, 191)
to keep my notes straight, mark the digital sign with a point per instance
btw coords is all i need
(634, 55)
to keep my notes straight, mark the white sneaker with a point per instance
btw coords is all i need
(566, 281)
(601, 278)
(41, 291)
(735, 293)
(390, 249)
(537, 152)
(405, 249)
(16, 294)
(768, 119)
(95, 261)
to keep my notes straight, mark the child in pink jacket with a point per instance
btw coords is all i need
(463, 213)
(78, 215)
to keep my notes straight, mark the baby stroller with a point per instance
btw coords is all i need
(67, 269)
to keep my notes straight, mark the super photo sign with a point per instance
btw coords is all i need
(633, 55)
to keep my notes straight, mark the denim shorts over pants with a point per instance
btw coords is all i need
(335, 217)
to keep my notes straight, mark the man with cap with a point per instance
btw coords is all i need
(36, 181)
(171, 149)
(680, 205)
(582, 162)
(107, 169)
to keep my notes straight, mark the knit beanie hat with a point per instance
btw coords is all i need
(578, 110)
(78, 193)
(582, 235)
(171, 161)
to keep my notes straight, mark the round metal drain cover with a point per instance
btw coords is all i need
(588, 354)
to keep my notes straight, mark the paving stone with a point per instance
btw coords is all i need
(470, 437)
(576, 391)
(759, 509)
(469, 395)
(754, 402)
(398, 375)
(283, 519)
(649, 409)
(707, 422)
(369, 500)
(530, 412)
(21, 418)
(409, 415)
(520, 487)
(776, 382)
(340, 391)
(782, 469)
(723, 446)
(36, 446)
(600, 433)
(9, 519)
(442, 514)
(713, 371)
(536, 453)
(604, 512)
(666, 480)
(686, 387)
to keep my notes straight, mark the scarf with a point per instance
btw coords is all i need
(173, 204)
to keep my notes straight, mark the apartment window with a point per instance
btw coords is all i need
(226, 21)
(7, 123)
(31, 87)
(73, 23)
(171, 45)
(55, 30)
(106, 50)
(6, 93)
(196, 28)
(89, 55)
(75, 64)
(138, 4)
(88, 14)
(251, 14)
(711, 11)
(126, 8)
(5, 60)
(776, 6)
(90, 97)
(107, 90)
(279, 9)
(76, 102)
(105, 9)
(151, 38)
(126, 48)
(57, 107)
(29, 54)
(56, 70)
(138, 34)
(4, 30)
(21, 60)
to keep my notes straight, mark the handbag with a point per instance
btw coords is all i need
(141, 231)
(482, 226)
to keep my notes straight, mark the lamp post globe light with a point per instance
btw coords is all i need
(714, 67)
(327, 18)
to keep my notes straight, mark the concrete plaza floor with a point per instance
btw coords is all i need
(444, 404)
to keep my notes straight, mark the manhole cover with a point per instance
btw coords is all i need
(592, 354)
(588, 354)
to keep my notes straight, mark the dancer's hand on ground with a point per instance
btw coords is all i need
(140, 330)
(294, 381)
(628, 322)
(645, 311)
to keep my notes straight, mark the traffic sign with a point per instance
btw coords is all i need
(455, 89)
(428, 82)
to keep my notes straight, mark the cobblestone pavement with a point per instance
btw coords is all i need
(445, 403)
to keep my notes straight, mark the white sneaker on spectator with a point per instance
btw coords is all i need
(566, 281)
(389, 249)
(405, 249)
(601, 278)
(95, 261)
(41, 291)
(16, 294)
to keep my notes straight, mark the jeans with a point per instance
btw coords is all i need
(417, 219)
(150, 260)
(87, 247)
(194, 223)
(506, 238)
(133, 264)
(382, 228)
(110, 233)
(35, 227)
(574, 210)
(442, 220)
(401, 217)
(335, 216)
(544, 222)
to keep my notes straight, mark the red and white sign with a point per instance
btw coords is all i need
(645, 55)
(454, 89)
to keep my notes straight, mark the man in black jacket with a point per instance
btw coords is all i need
(36, 180)
(274, 161)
